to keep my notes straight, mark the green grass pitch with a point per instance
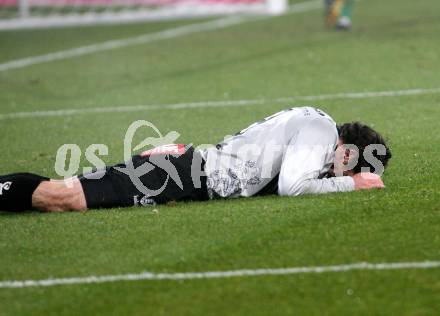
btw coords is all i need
(394, 46)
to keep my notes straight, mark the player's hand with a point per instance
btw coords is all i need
(367, 180)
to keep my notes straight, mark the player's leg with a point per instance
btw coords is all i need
(347, 8)
(332, 11)
(16, 191)
(26, 191)
(59, 196)
(338, 13)
(117, 188)
(344, 20)
(107, 188)
(103, 189)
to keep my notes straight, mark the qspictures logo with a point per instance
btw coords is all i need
(161, 147)
(226, 172)
(161, 160)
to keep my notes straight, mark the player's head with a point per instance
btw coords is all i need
(370, 149)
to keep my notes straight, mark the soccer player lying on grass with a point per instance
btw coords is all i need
(294, 152)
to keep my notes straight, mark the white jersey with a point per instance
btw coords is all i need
(286, 153)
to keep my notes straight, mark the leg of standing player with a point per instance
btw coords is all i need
(338, 13)
(344, 20)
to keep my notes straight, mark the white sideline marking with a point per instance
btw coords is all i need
(220, 274)
(114, 44)
(226, 103)
(150, 37)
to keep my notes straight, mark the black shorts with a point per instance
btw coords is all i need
(117, 186)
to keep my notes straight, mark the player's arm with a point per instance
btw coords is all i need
(306, 156)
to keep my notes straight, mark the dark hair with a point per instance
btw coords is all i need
(361, 135)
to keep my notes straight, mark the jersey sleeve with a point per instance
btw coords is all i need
(306, 156)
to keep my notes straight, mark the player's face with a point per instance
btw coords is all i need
(342, 156)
